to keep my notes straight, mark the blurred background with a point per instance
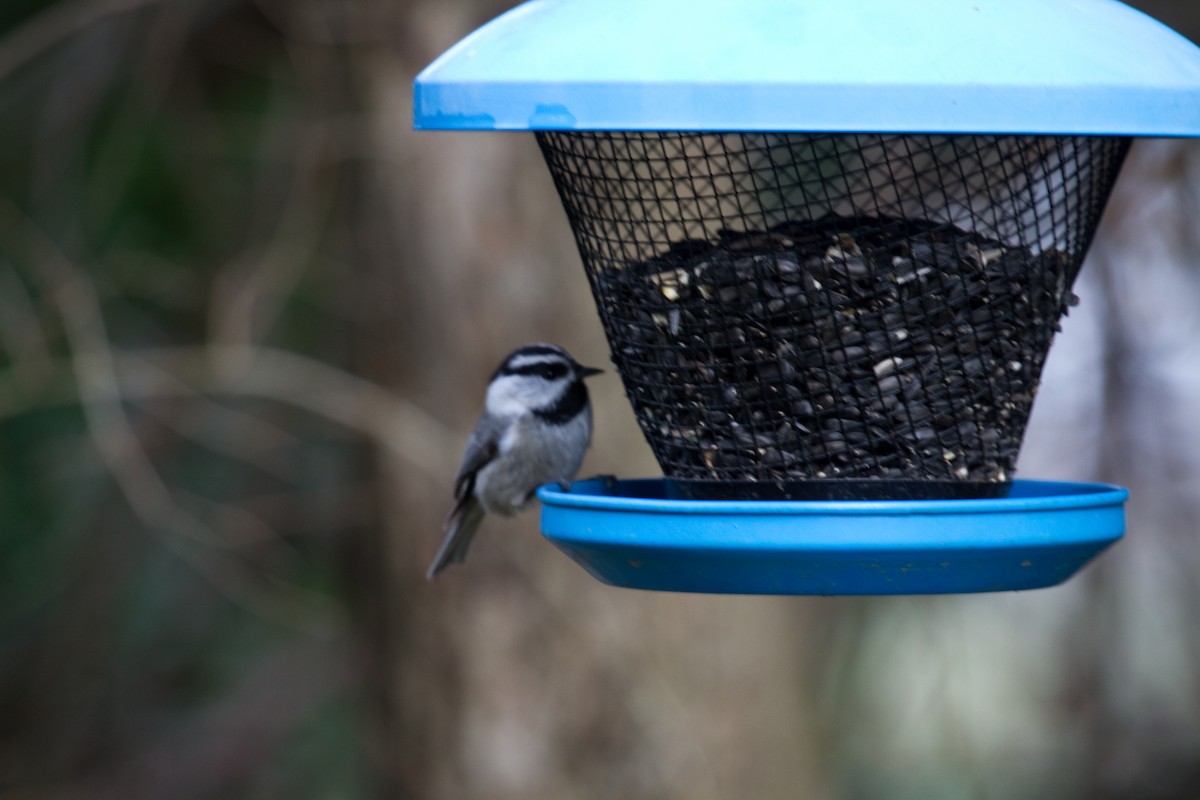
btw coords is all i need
(246, 319)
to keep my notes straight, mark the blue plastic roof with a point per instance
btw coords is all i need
(989, 66)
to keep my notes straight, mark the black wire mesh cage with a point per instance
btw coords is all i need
(832, 315)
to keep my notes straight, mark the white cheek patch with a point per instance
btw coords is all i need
(516, 395)
(504, 404)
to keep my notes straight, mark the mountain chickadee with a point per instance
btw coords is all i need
(536, 426)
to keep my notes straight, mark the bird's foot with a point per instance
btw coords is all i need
(609, 482)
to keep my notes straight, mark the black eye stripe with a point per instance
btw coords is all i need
(567, 407)
(550, 370)
(533, 359)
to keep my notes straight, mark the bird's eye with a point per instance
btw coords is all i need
(553, 372)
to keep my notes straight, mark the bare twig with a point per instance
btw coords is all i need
(22, 336)
(234, 433)
(21, 332)
(94, 367)
(248, 293)
(412, 434)
(236, 526)
(145, 85)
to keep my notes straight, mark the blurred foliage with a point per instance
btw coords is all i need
(173, 573)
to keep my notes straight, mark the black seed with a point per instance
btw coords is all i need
(841, 346)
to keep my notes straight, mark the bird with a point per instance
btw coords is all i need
(535, 428)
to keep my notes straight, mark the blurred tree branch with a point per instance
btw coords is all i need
(187, 493)
(94, 366)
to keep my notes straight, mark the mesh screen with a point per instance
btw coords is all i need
(784, 308)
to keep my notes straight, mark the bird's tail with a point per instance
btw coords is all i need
(460, 529)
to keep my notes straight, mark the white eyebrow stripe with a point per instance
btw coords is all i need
(520, 362)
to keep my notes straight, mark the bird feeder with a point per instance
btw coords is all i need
(830, 245)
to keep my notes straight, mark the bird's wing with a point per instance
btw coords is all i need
(482, 447)
(464, 518)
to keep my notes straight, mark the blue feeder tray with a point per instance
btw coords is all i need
(629, 533)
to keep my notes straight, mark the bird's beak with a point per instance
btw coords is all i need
(586, 372)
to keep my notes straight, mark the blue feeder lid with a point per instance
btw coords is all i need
(935, 66)
(631, 534)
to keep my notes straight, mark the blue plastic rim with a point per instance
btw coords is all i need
(1088, 67)
(628, 533)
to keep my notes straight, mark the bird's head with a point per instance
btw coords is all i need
(536, 378)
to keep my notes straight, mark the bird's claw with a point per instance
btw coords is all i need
(608, 481)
